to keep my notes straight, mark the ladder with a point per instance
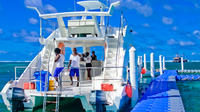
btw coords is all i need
(59, 92)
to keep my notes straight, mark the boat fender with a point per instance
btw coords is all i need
(143, 71)
(128, 90)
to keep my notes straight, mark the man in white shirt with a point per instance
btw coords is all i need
(74, 63)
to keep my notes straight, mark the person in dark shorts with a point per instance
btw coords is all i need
(94, 57)
(88, 61)
(74, 63)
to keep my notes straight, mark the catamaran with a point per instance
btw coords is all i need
(90, 30)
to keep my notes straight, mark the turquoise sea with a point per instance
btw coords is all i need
(189, 89)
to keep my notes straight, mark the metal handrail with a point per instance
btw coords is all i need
(18, 67)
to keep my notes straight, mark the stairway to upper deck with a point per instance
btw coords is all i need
(111, 59)
(48, 56)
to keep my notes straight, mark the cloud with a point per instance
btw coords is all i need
(40, 5)
(167, 20)
(168, 7)
(186, 43)
(145, 25)
(3, 52)
(143, 9)
(49, 30)
(152, 47)
(31, 39)
(33, 21)
(193, 53)
(1, 31)
(34, 33)
(22, 33)
(196, 5)
(140, 8)
(31, 36)
(34, 3)
(50, 8)
(15, 35)
(196, 33)
(171, 42)
(134, 32)
(174, 28)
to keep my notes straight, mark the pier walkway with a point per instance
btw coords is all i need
(162, 95)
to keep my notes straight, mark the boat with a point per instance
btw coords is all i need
(88, 30)
(177, 59)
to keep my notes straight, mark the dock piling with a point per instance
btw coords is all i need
(145, 64)
(133, 76)
(182, 64)
(160, 63)
(164, 63)
(152, 65)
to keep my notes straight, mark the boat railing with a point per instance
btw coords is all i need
(85, 85)
(31, 69)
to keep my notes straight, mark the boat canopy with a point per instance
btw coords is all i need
(92, 5)
(81, 13)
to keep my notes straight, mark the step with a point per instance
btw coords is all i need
(110, 70)
(111, 59)
(112, 46)
(110, 53)
(52, 110)
(51, 102)
(113, 40)
(110, 65)
(111, 62)
(112, 49)
(45, 67)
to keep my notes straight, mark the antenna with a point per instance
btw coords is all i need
(34, 8)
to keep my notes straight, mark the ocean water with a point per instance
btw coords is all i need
(6, 74)
(189, 90)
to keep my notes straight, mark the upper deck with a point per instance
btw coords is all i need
(88, 25)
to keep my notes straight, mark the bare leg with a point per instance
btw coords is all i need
(71, 80)
(56, 78)
(89, 73)
(77, 81)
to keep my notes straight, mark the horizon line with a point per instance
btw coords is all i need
(146, 61)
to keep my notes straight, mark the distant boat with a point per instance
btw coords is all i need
(177, 59)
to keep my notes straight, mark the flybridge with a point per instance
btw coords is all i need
(82, 27)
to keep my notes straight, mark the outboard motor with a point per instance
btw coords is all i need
(17, 99)
(98, 99)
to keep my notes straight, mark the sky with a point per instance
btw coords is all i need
(166, 27)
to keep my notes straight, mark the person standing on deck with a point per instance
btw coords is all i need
(88, 61)
(94, 57)
(59, 62)
(74, 63)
